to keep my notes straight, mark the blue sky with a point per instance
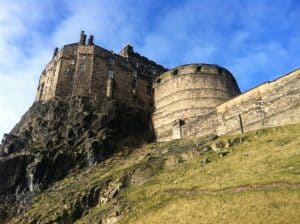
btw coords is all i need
(257, 40)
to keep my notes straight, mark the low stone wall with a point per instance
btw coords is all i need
(270, 104)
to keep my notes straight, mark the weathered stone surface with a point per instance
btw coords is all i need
(172, 161)
(194, 90)
(190, 154)
(55, 137)
(202, 101)
(144, 172)
(86, 70)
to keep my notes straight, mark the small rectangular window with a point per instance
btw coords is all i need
(82, 68)
(134, 74)
(111, 61)
(110, 74)
(133, 84)
(149, 90)
(72, 62)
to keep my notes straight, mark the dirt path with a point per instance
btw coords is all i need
(236, 189)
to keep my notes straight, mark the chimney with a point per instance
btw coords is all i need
(82, 38)
(55, 52)
(127, 51)
(91, 40)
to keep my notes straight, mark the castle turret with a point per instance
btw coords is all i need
(186, 92)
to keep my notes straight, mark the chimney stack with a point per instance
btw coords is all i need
(82, 38)
(91, 40)
(127, 51)
(55, 52)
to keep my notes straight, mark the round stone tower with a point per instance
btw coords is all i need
(186, 92)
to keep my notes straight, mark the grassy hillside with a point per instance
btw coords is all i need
(250, 178)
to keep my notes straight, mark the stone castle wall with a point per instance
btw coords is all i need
(187, 92)
(82, 69)
(188, 101)
(270, 104)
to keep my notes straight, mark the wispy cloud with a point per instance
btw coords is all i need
(257, 40)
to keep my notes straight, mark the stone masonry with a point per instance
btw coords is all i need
(85, 69)
(202, 103)
(187, 101)
(187, 92)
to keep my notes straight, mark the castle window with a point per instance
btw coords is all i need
(110, 74)
(109, 87)
(72, 62)
(67, 70)
(83, 57)
(111, 61)
(133, 83)
(175, 72)
(177, 129)
(198, 68)
(82, 68)
(134, 73)
(149, 90)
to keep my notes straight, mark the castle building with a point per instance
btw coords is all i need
(199, 99)
(187, 101)
(186, 92)
(85, 69)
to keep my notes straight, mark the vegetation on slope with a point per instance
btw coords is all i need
(250, 178)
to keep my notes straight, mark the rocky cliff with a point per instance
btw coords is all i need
(60, 136)
(85, 161)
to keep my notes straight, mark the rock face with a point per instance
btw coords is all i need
(59, 136)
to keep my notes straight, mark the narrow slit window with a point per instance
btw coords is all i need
(82, 68)
(111, 61)
(149, 90)
(133, 84)
(134, 73)
(110, 74)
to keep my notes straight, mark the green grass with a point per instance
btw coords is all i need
(194, 194)
(258, 181)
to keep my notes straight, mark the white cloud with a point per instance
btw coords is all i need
(252, 39)
(22, 56)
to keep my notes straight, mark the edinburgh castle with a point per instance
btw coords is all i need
(186, 101)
